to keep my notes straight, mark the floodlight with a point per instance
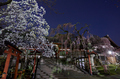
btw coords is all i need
(109, 52)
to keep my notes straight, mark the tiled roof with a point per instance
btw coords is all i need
(112, 42)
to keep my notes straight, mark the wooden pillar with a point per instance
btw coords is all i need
(34, 64)
(90, 64)
(4, 75)
(17, 63)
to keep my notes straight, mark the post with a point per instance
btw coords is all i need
(34, 64)
(38, 59)
(34, 67)
(17, 63)
(90, 64)
(4, 75)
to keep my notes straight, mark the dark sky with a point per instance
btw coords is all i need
(102, 15)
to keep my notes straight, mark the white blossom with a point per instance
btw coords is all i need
(26, 25)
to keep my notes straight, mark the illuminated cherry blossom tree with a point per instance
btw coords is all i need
(101, 44)
(26, 26)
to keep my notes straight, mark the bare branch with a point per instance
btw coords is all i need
(5, 3)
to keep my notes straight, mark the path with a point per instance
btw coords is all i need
(49, 69)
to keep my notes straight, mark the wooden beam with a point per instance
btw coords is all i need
(8, 52)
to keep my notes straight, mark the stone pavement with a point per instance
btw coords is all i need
(49, 69)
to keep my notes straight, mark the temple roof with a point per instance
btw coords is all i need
(112, 42)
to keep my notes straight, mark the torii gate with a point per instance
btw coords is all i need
(9, 52)
(35, 64)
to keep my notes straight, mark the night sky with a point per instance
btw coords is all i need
(102, 15)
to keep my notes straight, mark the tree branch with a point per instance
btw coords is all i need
(5, 3)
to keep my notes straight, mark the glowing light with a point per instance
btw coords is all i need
(103, 46)
(109, 52)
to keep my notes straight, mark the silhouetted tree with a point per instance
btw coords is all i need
(5, 3)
